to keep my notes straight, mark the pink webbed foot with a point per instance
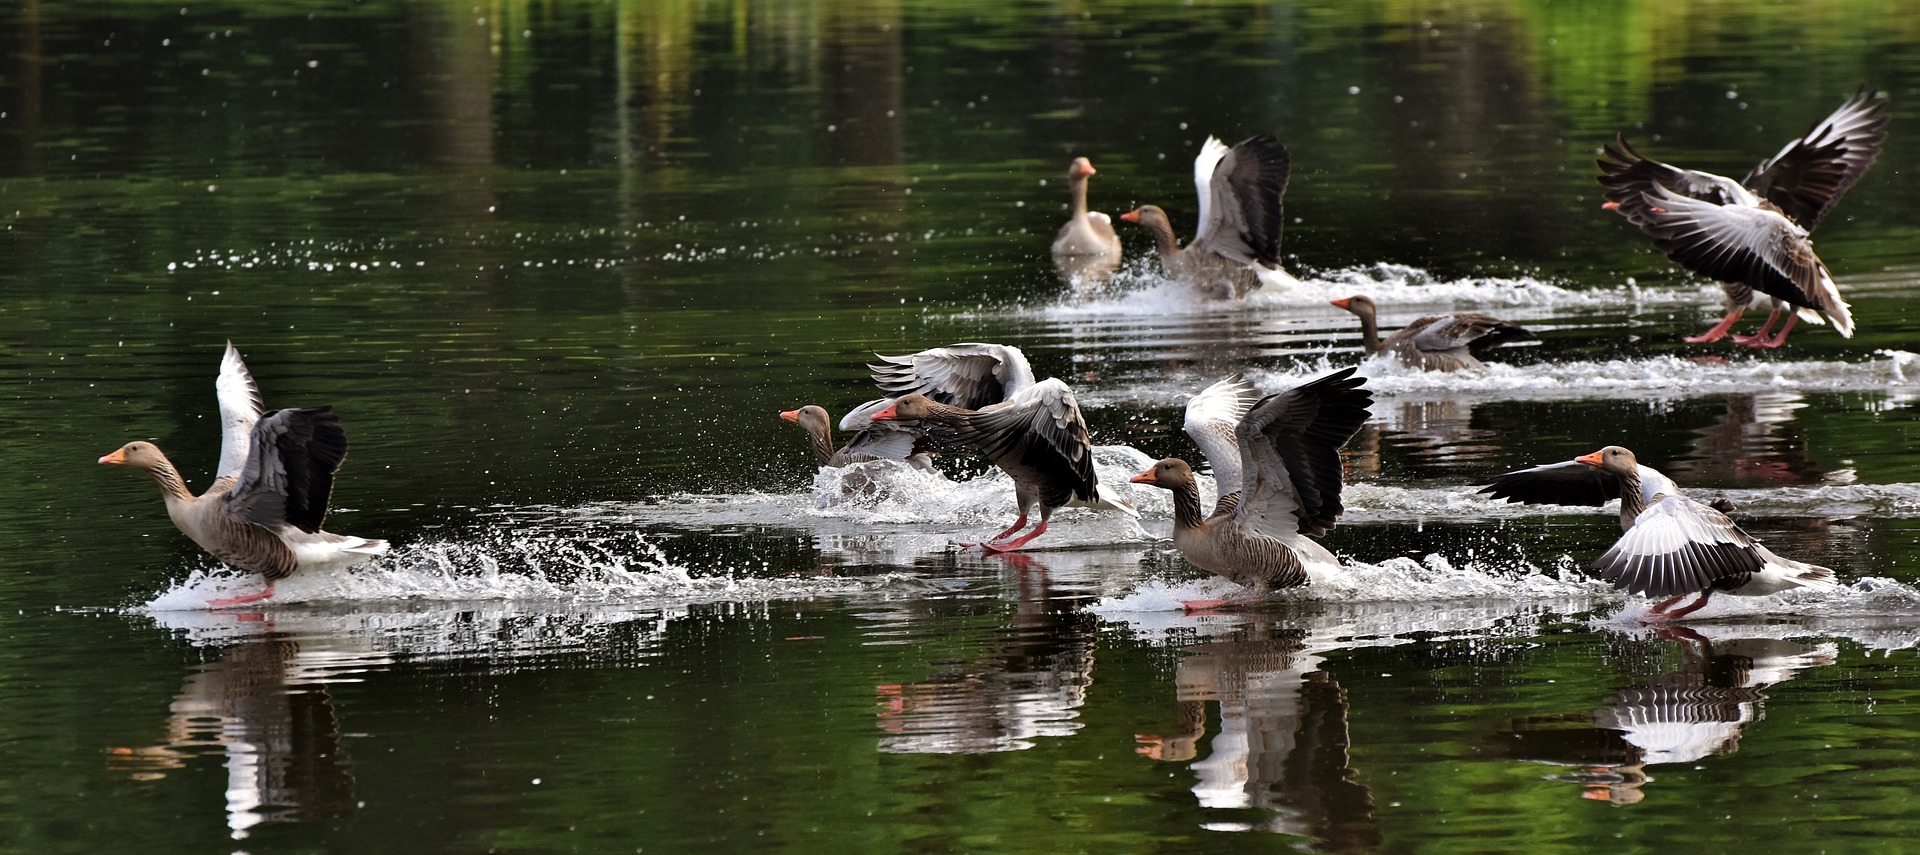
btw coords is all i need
(1719, 330)
(998, 545)
(243, 599)
(988, 544)
(1660, 614)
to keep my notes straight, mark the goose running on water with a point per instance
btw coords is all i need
(269, 495)
(1435, 342)
(1277, 461)
(1753, 235)
(870, 441)
(1671, 546)
(982, 399)
(1236, 248)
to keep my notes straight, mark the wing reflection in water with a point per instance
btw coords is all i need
(1282, 742)
(1748, 444)
(263, 707)
(1696, 711)
(1031, 683)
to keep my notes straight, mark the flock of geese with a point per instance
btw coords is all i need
(1275, 457)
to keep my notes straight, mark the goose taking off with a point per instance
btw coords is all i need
(1236, 248)
(1279, 480)
(1435, 342)
(1672, 546)
(269, 495)
(1753, 235)
(982, 399)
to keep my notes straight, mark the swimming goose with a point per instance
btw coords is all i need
(1086, 232)
(1287, 450)
(1435, 342)
(1236, 248)
(1036, 436)
(269, 495)
(870, 442)
(1753, 234)
(1672, 546)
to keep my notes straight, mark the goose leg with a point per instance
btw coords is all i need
(1017, 525)
(1659, 614)
(1719, 330)
(1781, 338)
(1757, 339)
(243, 599)
(998, 545)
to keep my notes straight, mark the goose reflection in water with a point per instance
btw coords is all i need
(1032, 682)
(1697, 711)
(1745, 444)
(1282, 742)
(264, 708)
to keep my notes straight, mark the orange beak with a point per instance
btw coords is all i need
(1146, 477)
(886, 415)
(1610, 206)
(1342, 302)
(1090, 170)
(119, 455)
(791, 415)
(1131, 216)
(1589, 459)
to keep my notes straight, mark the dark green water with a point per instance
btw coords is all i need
(558, 265)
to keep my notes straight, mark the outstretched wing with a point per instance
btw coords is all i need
(1754, 246)
(1290, 448)
(288, 477)
(972, 375)
(1212, 416)
(1245, 219)
(1811, 173)
(1678, 546)
(1569, 483)
(1040, 433)
(1627, 174)
(1471, 330)
(239, 399)
(1204, 165)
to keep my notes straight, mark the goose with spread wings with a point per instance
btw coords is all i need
(269, 495)
(870, 441)
(1435, 342)
(1753, 235)
(1671, 546)
(1278, 474)
(1236, 248)
(978, 398)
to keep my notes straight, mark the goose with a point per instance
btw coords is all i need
(269, 495)
(1280, 481)
(1672, 546)
(1035, 433)
(1753, 235)
(1236, 248)
(870, 442)
(1435, 342)
(1086, 232)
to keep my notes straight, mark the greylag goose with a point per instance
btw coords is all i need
(1287, 453)
(871, 442)
(1672, 546)
(1435, 342)
(1086, 232)
(1236, 248)
(1034, 433)
(1753, 235)
(269, 495)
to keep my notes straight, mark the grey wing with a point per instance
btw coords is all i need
(972, 375)
(1041, 431)
(1627, 174)
(890, 443)
(1811, 173)
(1737, 243)
(1246, 214)
(239, 399)
(1678, 546)
(1290, 448)
(1471, 330)
(1212, 416)
(288, 478)
(1567, 483)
